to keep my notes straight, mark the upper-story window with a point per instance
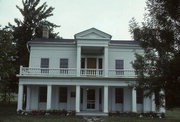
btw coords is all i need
(119, 67)
(64, 63)
(44, 64)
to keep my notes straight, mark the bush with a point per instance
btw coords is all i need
(49, 112)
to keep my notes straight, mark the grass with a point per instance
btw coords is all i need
(8, 114)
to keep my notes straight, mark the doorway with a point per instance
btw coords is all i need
(91, 99)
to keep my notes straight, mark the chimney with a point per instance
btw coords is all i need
(45, 32)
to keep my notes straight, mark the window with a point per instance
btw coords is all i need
(63, 94)
(42, 94)
(45, 64)
(63, 63)
(119, 67)
(83, 63)
(119, 95)
(139, 96)
(100, 63)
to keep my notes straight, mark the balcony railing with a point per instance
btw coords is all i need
(92, 72)
(48, 71)
(121, 72)
(24, 71)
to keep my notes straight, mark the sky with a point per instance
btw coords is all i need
(74, 16)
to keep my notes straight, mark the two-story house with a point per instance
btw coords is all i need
(90, 74)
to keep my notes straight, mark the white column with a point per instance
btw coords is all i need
(77, 98)
(105, 99)
(49, 97)
(134, 104)
(20, 97)
(28, 98)
(162, 108)
(106, 61)
(153, 106)
(78, 60)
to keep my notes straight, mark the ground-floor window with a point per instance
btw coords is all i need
(43, 94)
(139, 95)
(63, 94)
(119, 95)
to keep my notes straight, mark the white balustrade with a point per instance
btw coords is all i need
(48, 71)
(92, 72)
(73, 72)
(121, 73)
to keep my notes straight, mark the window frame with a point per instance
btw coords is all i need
(64, 67)
(119, 71)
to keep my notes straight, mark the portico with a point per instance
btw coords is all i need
(82, 98)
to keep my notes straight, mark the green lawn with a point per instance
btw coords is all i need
(8, 114)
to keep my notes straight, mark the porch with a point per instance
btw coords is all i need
(83, 99)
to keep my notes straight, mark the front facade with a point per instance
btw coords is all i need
(90, 73)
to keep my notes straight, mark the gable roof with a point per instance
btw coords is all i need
(99, 34)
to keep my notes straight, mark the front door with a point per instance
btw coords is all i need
(91, 63)
(91, 99)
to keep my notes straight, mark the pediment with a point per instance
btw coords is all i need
(92, 33)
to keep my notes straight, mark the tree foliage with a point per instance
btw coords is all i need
(7, 64)
(159, 67)
(34, 18)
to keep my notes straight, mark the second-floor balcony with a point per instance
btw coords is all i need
(72, 72)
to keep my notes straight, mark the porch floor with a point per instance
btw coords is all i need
(91, 113)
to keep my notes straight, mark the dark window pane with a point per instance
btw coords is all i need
(44, 63)
(100, 63)
(63, 63)
(63, 94)
(139, 95)
(42, 94)
(119, 95)
(119, 64)
(82, 62)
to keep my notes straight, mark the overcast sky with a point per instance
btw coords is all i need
(110, 16)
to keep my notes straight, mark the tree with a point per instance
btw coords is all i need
(7, 64)
(159, 67)
(34, 18)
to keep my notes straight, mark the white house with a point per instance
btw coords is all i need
(90, 73)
